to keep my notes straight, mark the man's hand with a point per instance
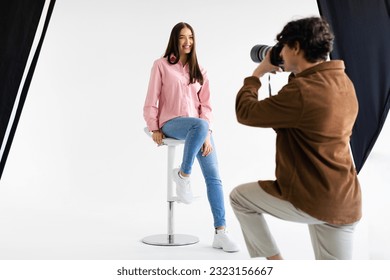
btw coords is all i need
(265, 66)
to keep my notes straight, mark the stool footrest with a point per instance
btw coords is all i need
(173, 199)
(170, 240)
(176, 199)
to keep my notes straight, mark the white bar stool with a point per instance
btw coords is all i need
(170, 239)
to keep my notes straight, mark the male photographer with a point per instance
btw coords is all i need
(312, 115)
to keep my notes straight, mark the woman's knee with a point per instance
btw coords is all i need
(201, 125)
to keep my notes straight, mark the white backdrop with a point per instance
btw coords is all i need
(83, 181)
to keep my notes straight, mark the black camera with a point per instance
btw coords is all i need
(258, 53)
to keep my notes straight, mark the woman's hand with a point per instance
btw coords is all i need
(207, 148)
(158, 137)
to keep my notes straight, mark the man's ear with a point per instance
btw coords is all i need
(297, 48)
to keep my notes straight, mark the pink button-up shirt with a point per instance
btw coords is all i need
(170, 95)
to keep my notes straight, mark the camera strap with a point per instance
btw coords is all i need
(269, 85)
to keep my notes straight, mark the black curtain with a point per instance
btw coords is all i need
(19, 23)
(362, 40)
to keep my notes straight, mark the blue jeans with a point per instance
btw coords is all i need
(194, 131)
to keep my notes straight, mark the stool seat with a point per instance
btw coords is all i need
(166, 141)
(170, 239)
(172, 142)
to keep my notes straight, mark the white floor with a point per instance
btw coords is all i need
(59, 221)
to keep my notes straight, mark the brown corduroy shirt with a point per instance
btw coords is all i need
(313, 116)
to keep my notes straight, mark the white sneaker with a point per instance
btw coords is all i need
(183, 188)
(223, 241)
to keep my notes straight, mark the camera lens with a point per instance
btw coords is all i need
(258, 52)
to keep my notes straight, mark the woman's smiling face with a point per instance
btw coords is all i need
(186, 41)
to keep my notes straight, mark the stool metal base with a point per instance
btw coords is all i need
(170, 240)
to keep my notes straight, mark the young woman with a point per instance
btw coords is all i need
(178, 106)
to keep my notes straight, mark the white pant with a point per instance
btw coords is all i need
(250, 202)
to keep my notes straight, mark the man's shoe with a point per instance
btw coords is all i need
(223, 241)
(183, 188)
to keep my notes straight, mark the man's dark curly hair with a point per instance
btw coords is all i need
(313, 34)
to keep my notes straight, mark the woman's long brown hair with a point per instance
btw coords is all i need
(173, 50)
